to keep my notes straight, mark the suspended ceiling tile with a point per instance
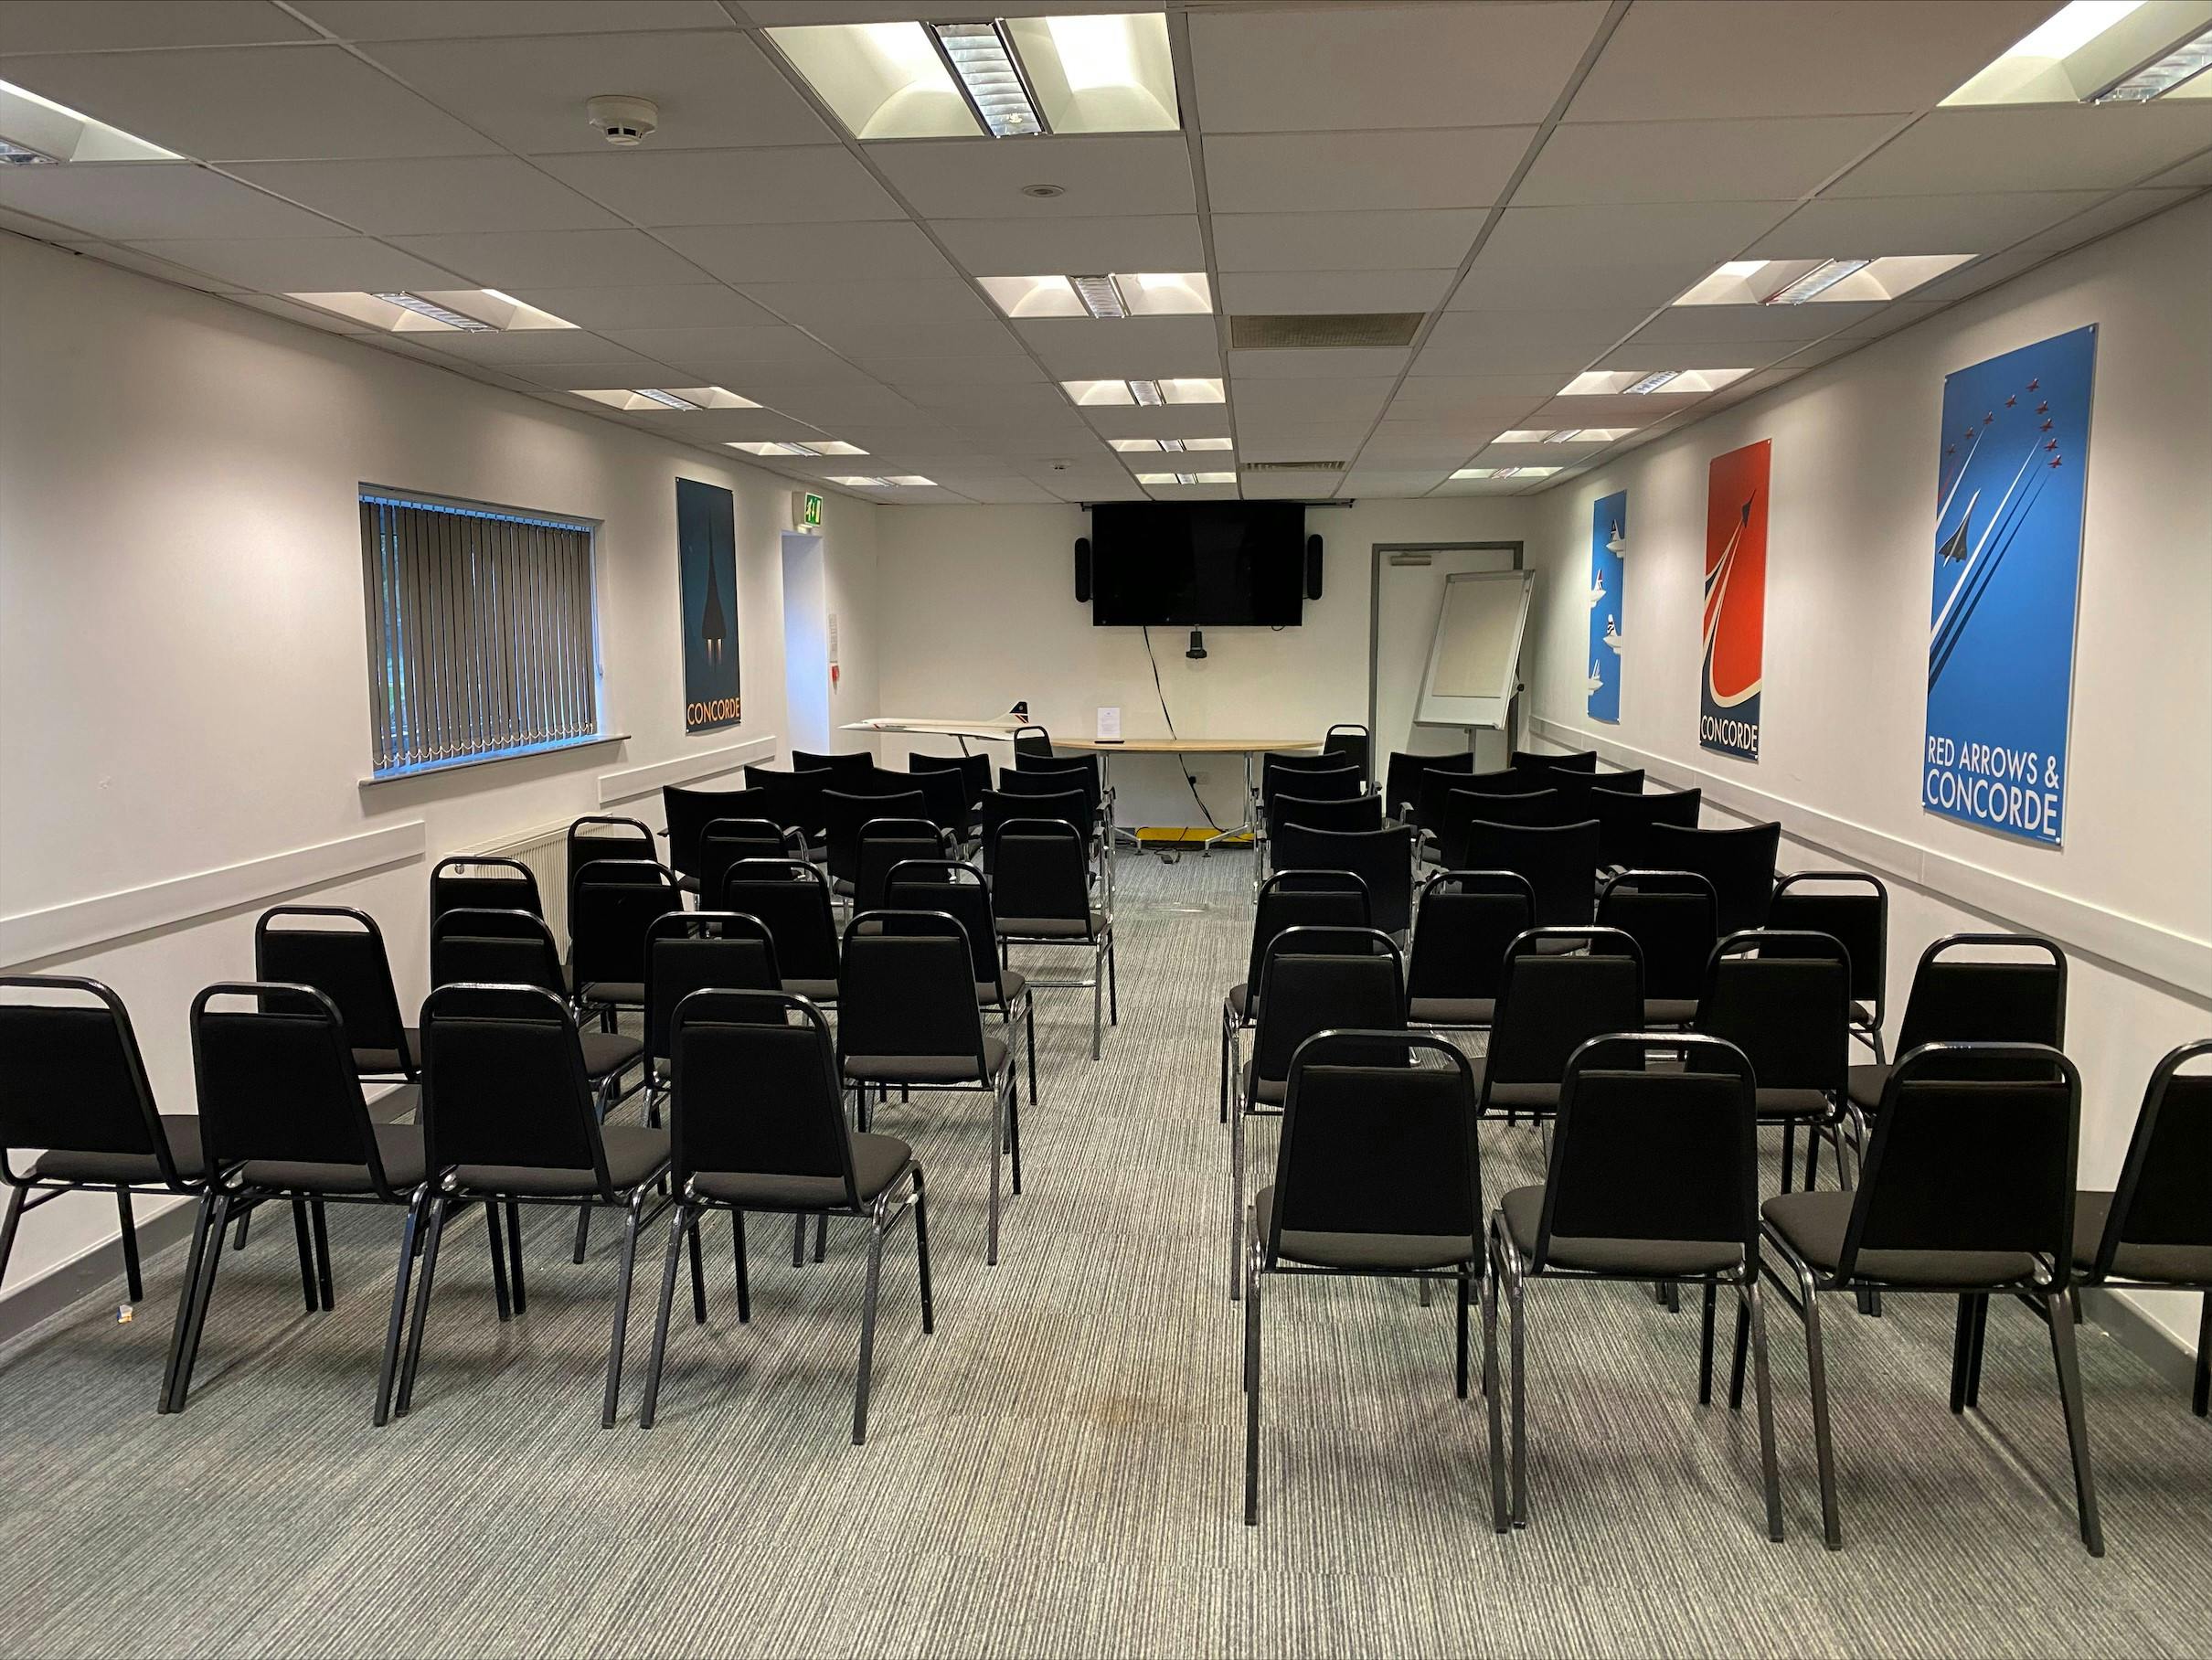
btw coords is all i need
(759, 344)
(1747, 323)
(1696, 161)
(917, 300)
(73, 26)
(870, 339)
(1269, 291)
(561, 376)
(700, 304)
(511, 349)
(1428, 239)
(144, 201)
(1353, 399)
(1647, 354)
(421, 196)
(1102, 176)
(1288, 486)
(541, 259)
(436, 19)
(1916, 224)
(920, 372)
(789, 185)
(146, 264)
(1640, 255)
(1305, 363)
(306, 264)
(2112, 214)
(1318, 172)
(884, 249)
(1086, 349)
(1035, 247)
(2037, 146)
(2190, 176)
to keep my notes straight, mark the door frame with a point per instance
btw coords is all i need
(1375, 569)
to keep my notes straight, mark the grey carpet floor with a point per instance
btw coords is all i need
(1057, 1470)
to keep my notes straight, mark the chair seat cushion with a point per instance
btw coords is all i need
(635, 1155)
(131, 1169)
(1669, 1011)
(1865, 1083)
(385, 1063)
(607, 1053)
(1779, 1104)
(1013, 979)
(1051, 927)
(2170, 1265)
(1241, 1004)
(824, 992)
(622, 994)
(1523, 1208)
(1451, 1011)
(1812, 1225)
(878, 1161)
(1266, 1091)
(399, 1145)
(928, 1068)
(1368, 1251)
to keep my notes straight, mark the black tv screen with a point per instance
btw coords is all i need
(1197, 564)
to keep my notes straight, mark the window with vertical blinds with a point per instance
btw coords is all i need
(481, 636)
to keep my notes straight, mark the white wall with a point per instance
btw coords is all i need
(1850, 537)
(183, 680)
(977, 608)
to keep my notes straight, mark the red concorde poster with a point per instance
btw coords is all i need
(1735, 601)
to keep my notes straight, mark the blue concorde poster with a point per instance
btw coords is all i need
(2007, 566)
(1608, 541)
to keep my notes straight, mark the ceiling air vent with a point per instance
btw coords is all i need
(1290, 466)
(1323, 329)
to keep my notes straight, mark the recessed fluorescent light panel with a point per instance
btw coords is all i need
(1011, 79)
(1504, 473)
(1186, 478)
(1800, 282)
(1640, 382)
(1118, 294)
(1562, 435)
(823, 446)
(2104, 51)
(903, 481)
(37, 131)
(1150, 445)
(471, 311)
(668, 398)
(1149, 393)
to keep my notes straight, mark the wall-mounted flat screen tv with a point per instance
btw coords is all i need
(1197, 564)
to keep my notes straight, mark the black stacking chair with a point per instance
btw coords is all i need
(1291, 899)
(907, 1016)
(1673, 918)
(1566, 760)
(598, 837)
(1038, 777)
(697, 951)
(2154, 1231)
(756, 1121)
(847, 814)
(1654, 1176)
(793, 801)
(1625, 819)
(1573, 790)
(1537, 808)
(791, 899)
(1435, 786)
(1852, 907)
(1550, 1004)
(947, 795)
(1560, 862)
(340, 951)
(1627, 781)
(1356, 744)
(1304, 777)
(1960, 996)
(1967, 1191)
(959, 892)
(611, 905)
(73, 1085)
(1041, 890)
(1378, 1173)
(886, 842)
(1311, 980)
(1738, 863)
(1031, 739)
(1000, 809)
(1082, 770)
(727, 841)
(688, 812)
(974, 771)
(508, 1117)
(1381, 858)
(283, 1119)
(1467, 919)
(1784, 999)
(1402, 778)
(1354, 813)
(473, 881)
(844, 768)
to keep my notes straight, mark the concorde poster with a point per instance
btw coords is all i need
(2013, 463)
(706, 548)
(1735, 601)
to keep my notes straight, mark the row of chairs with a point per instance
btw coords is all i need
(1969, 1191)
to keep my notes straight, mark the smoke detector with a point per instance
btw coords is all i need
(623, 119)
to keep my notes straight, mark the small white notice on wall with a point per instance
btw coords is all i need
(1110, 725)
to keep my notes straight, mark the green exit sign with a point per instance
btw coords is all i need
(810, 510)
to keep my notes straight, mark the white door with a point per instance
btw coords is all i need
(1407, 599)
(806, 683)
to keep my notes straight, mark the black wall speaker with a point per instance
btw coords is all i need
(1312, 568)
(1082, 570)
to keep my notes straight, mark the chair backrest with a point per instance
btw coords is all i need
(1627, 781)
(725, 841)
(1625, 818)
(340, 951)
(1569, 760)
(1435, 785)
(484, 882)
(907, 988)
(1981, 1161)
(959, 892)
(848, 767)
(1847, 905)
(495, 948)
(692, 951)
(1315, 979)
(70, 1074)
(847, 814)
(794, 799)
(689, 811)
(613, 903)
(275, 1081)
(1382, 858)
(1463, 807)
(946, 793)
(974, 771)
(1674, 921)
(1354, 813)
(1402, 775)
(1039, 868)
(1370, 1148)
(1000, 809)
(1739, 863)
(1551, 1003)
(1573, 790)
(1355, 743)
(1642, 1152)
(886, 842)
(1467, 919)
(1082, 770)
(1299, 899)
(504, 1084)
(1560, 862)
(754, 1089)
(791, 899)
(598, 836)
(747, 806)
(2164, 1193)
(1031, 739)
(1962, 995)
(1784, 999)
(1336, 781)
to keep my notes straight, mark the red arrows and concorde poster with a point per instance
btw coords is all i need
(1735, 601)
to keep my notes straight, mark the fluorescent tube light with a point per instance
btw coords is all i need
(1526, 435)
(1794, 281)
(1216, 478)
(980, 57)
(1098, 73)
(1114, 295)
(861, 483)
(36, 131)
(434, 312)
(1652, 382)
(773, 449)
(2099, 52)
(1147, 393)
(13, 154)
(1186, 478)
(881, 79)
(1101, 296)
(1815, 282)
(911, 481)
(2183, 63)
(667, 400)
(1504, 473)
(1173, 445)
(1642, 382)
(1151, 394)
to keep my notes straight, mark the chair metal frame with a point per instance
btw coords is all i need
(1022, 1003)
(1869, 1031)
(1496, 884)
(1097, 939)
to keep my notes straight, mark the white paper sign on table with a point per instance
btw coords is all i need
(1110, 725)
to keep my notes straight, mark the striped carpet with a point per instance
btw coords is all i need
(1057, 1470)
